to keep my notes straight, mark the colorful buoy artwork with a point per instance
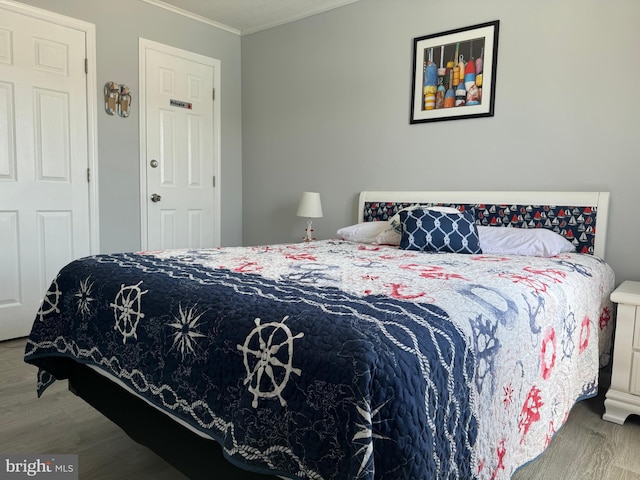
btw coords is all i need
(453, 75)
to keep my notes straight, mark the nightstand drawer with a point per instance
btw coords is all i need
(634, 386)
(636, 330)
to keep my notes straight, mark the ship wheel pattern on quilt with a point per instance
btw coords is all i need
(268, 356)
(127, 310)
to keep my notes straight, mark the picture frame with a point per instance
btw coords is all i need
(439, 61)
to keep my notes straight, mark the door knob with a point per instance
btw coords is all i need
(154, 163)
(155, 197)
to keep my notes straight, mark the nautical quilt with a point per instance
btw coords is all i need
(337, 360)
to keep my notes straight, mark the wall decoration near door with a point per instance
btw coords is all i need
(117, 99)
(454, 74)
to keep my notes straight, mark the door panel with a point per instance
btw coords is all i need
(44, 193)
(7, 130)
(52, 144)
(10, 281)
(168, 152)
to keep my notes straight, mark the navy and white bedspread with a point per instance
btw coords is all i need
(334, 360)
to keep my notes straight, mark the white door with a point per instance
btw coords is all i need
(44, 193)
(179, 159)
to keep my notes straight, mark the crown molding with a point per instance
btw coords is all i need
(192, 16)
(297, 17)
(199, 18)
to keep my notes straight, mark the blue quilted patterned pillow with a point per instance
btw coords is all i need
(429, 230)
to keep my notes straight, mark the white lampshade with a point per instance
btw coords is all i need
(310, 206)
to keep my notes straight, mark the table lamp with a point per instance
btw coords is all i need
(310, 207)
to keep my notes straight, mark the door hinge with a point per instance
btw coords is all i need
(214, 180)
(86, 65)
(214, 94)
(88, 175)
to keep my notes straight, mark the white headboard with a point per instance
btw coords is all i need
(581, 202)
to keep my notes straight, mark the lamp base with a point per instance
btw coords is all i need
(308, 237)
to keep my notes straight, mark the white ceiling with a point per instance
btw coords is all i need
(248, 16)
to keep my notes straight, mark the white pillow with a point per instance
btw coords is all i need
(533, 242)
(389, 237)
(395, 223)
(365, 232)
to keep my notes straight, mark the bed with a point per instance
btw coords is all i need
(400, 349)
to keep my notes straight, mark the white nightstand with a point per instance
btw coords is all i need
(623, 397)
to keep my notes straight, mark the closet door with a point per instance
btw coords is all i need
(44, 190)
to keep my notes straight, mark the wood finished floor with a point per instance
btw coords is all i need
(587, 447)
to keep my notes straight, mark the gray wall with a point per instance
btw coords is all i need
(119, 24)
(326, 107)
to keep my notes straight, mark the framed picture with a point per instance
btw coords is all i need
(454, 74)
